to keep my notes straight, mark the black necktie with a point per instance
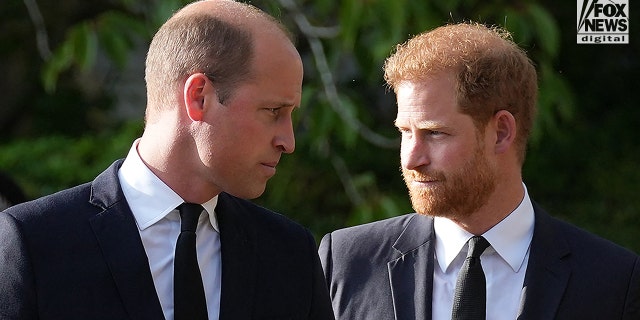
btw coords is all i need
(189, 302)
(470, 299)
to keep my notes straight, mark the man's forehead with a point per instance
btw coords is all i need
(412, 114)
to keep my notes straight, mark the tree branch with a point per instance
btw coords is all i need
(313, 35)
(42, 38)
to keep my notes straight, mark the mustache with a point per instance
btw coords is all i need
(422, 175)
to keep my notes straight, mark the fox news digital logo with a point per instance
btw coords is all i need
(604, 21)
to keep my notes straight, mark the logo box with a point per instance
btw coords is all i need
(603, 21)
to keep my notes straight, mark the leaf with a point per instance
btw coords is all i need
(517, 26)
(162, 11)
(59, 61)
(347, 131)
(558, 94)
(85, 45)
(424, 17)
(116, 46)
(546, 29)
(389, 207)
(350, 18)
(396, 13)
(121, 23)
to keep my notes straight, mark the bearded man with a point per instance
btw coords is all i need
(477, 247)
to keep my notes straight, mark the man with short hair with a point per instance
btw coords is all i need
(223, 79)
(478, 246)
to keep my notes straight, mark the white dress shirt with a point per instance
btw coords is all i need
(153, 205)
(504, 262)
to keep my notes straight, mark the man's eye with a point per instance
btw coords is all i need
(274, 111)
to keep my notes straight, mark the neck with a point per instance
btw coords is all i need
(168, 153)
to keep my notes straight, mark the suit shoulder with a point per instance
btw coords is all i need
(376, 229)
(586, 242)
(374, 239)
(564, 238)
(355, 259)
(52, 204)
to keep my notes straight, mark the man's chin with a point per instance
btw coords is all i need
(248, 193)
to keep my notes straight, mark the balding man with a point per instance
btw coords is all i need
(223, 79)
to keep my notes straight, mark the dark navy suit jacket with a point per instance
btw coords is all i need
(384, 270)
(77, 254)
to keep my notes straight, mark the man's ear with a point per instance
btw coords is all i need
(196, 88)
(505, 126)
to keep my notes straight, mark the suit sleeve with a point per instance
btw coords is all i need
(325, 257)
(321, 305)
(17, 292)
(632, 304)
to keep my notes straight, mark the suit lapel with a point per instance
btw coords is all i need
(411, 274)
(119, 240)
(548, 270)
(239, 259)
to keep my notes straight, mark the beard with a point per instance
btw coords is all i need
(454, 195)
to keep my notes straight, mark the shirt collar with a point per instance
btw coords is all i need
(510, 238)
(149, 198)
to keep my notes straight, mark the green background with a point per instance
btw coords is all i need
(73, 101)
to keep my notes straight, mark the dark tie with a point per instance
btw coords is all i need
(189, 302)
(470, 299)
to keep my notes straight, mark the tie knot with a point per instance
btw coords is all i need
(477, 245)
(189, 213)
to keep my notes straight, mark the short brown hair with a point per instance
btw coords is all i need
(493, 73)
(197, 43)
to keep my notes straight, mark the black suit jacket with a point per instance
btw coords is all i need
(77, 254)
(384, 270)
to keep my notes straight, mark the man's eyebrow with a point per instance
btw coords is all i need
(279, 104)
(424, 124)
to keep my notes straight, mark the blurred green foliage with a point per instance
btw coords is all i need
(50, 163)
(58, 129)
